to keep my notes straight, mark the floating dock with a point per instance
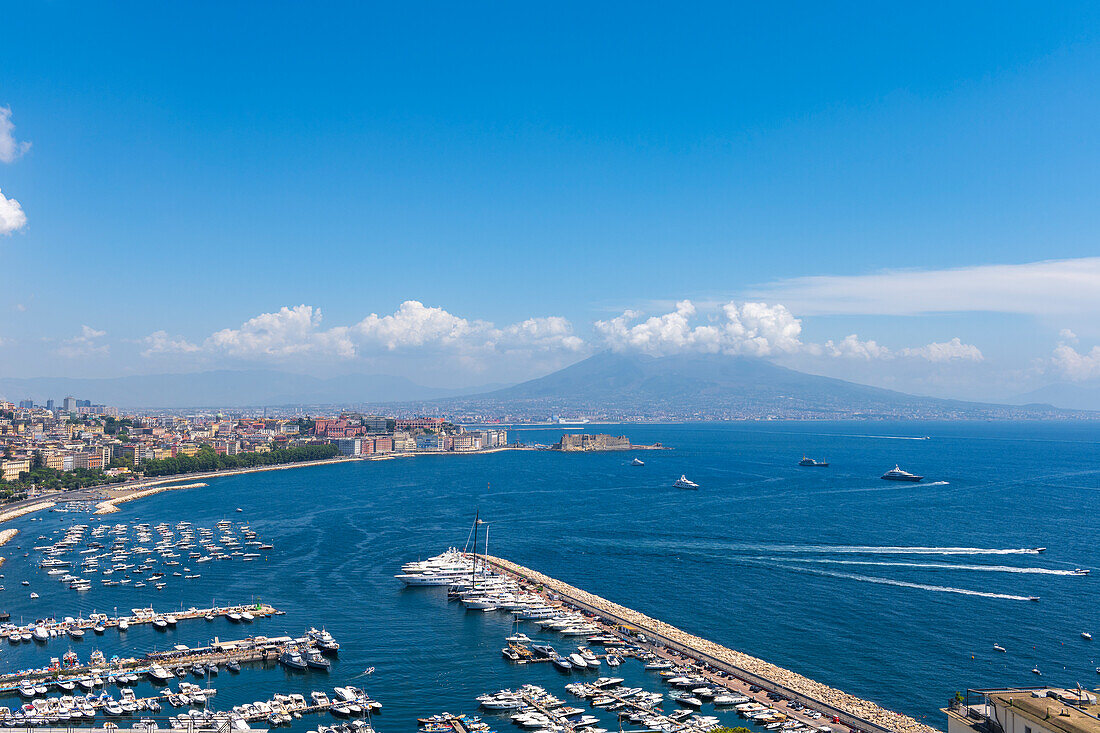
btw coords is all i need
(679, 647)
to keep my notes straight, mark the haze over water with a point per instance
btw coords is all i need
(886, 590)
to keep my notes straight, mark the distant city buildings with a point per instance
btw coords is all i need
(84, 436)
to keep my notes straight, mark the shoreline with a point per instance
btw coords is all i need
(110, 506)
(140, 489)
(854, 711)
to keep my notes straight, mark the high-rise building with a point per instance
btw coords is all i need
(26, 404)
(69, 405)
(49, 404)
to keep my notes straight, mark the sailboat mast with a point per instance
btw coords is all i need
(473, 566)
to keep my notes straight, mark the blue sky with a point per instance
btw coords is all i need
(525, 175)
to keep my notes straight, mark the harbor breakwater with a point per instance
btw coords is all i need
(110, 506)
(851, 710)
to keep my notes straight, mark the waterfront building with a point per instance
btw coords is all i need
(1024, 710)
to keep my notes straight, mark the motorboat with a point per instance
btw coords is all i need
(685, 483)
(999, 648)
(562, 663)
(315, 660)
(292, 659)
(896, 474)
(637, 462)
(1086, 636)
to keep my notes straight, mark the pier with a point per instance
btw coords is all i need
(681, 647)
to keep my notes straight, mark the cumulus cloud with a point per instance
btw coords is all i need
(86, 344)
(945, 351)
(415, 324)
(159, 342)
(756, 329)
(287, 332)
(1050, 287)
(1077, 366)
(296, 331)
(544, 334)
(10, 149)
(12, 218)
(852, 347)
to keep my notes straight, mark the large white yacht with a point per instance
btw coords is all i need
(896, 474)
(684, 483)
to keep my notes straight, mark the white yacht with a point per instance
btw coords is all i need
(685, 483)
(896, 474)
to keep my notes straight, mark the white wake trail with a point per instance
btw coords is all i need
(889, 550)
(905, 584)
(943, 566)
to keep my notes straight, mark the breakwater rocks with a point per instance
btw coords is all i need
(14, 513)
(109, 506)
(838, 699)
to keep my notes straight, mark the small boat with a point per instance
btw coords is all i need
(292, 659)
(233, 667)
(316, 660)
(562, 663)
(637, 462)
(1086, 636)
(684, 483)
(999, 648)
(1080, 571)
(812, 463)
(1035, 670)
(896, 474)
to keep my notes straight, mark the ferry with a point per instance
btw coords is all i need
(684, 483)
(896, 474)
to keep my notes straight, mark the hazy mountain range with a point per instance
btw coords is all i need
(226, 389)
(613, 385)
(689, 386)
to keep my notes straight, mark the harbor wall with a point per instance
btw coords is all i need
(854, 712)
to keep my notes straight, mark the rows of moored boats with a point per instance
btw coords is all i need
(142, 554)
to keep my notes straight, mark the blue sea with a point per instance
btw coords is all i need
(895, 592)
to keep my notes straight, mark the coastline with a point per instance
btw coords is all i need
(110, 506)
(862, 712)
(141, 488)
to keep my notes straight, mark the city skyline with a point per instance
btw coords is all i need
(900, 198)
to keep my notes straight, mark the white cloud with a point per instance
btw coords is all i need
(296, 331)
(1076, 366)
(756, 329)
(86, 344)
(9, 148)
(945, 351)
(12, 218)
(545, 334)
(852, 347)
(159, 342)
(1067, 335)
(287, 332)
(415, 324)
(1050, 287)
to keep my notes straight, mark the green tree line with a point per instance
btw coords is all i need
(207, 460)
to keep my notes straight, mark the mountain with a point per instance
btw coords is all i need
(224, 388)
(1069, 396)
(695, 386)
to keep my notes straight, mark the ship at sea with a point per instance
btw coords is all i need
(811, 462)
(896, 474)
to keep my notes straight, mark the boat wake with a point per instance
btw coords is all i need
(937, 483)
(888, 550)
(906, 584)
(941, 566)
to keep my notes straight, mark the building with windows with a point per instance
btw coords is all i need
(1024, 710)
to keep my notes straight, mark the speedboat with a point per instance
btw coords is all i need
(637, 462)
(1086, 636)
(999, 648)
(896, 474)
(684, 483)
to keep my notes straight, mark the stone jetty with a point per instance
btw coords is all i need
(694, 645)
